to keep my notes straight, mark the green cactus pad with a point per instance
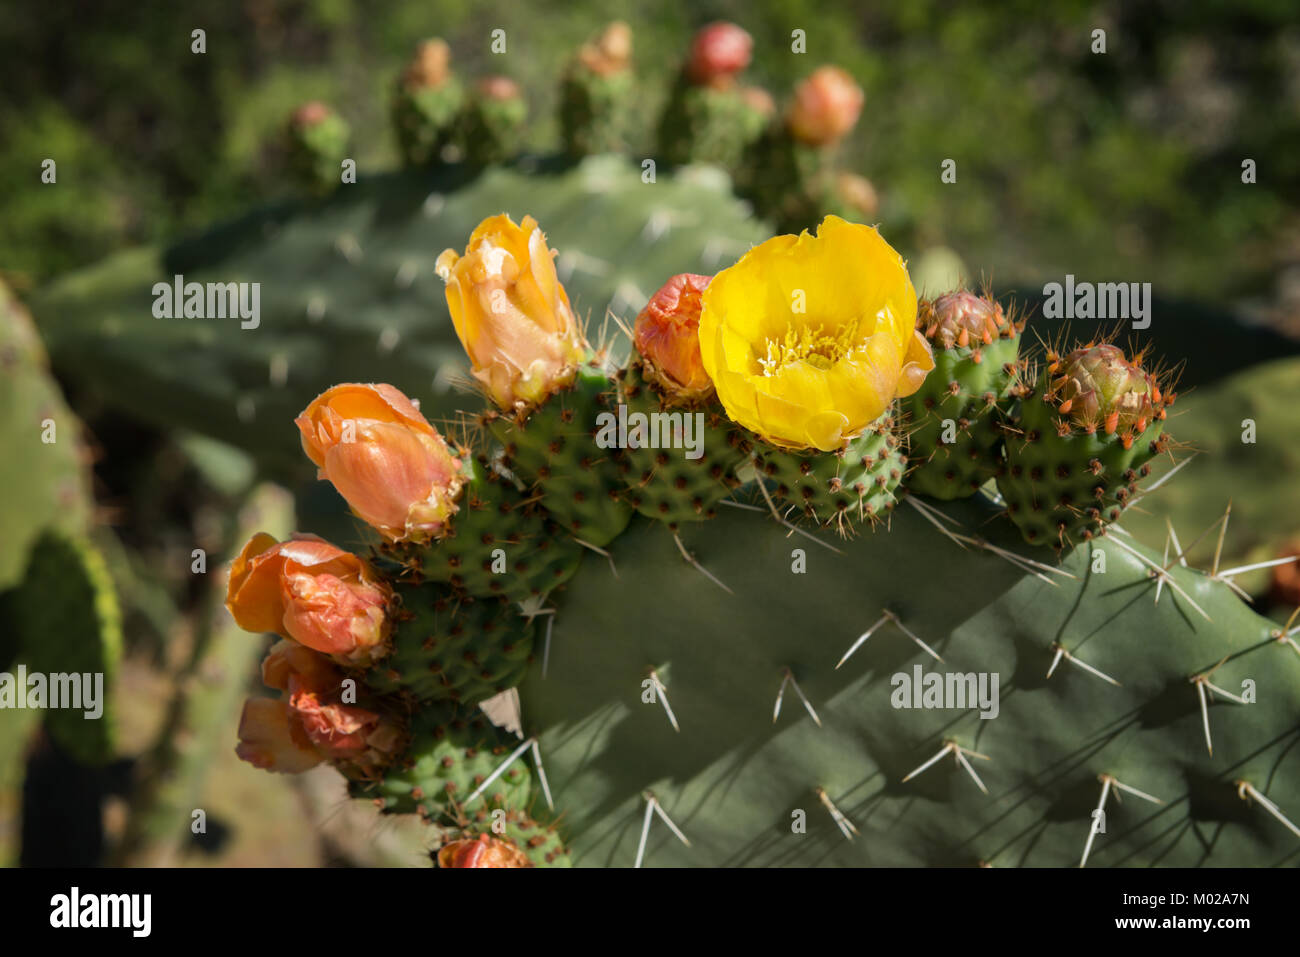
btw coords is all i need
(448, 648)
(664, 484)
(44, 471)
(66, 617)
(349, 294)
(844, 488)
(540, 842)
(743, 788)
(1061, 490)
(500, 544)
(451, 752)
(554, 447)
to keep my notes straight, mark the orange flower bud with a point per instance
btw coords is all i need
(611, 51)
(308, 590)
(825, 106)
(310, 114)
(718, 52)
(511, 313)
(497, 87)
(666, 334)
(385, 459)
(430, 67)
(485, 851)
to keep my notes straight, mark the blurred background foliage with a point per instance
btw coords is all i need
(1125, 166)
(1065, 158)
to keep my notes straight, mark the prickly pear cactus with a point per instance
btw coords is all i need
(66, 620)
(348, 291)
(45, 473)
(1095, 678)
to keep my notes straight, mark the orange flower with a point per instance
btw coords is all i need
(667, 337)
(825, 106)
(310, 722)
(308, 590)
(511, 313)
(485, 851)
(385, 459)
(271, 740)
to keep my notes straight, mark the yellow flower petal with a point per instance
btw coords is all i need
(808, 339)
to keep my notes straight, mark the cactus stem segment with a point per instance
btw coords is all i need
(789, 679)
(762, 487)
(843, 823)
(501, 768)
(1247, 792)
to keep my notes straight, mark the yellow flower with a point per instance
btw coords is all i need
(808, 339)
(511, 313)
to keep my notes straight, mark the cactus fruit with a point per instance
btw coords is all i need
(492, 123)
(596, 93)
(1081, 441)
(451, 753)
(522, 843)
(554, 447)
(855, 484)
(666, 399)
(499, 544)
(317, 145)
(427, 103)
(455, 649)
(955, 419)
(709, 117)
(678, 485)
